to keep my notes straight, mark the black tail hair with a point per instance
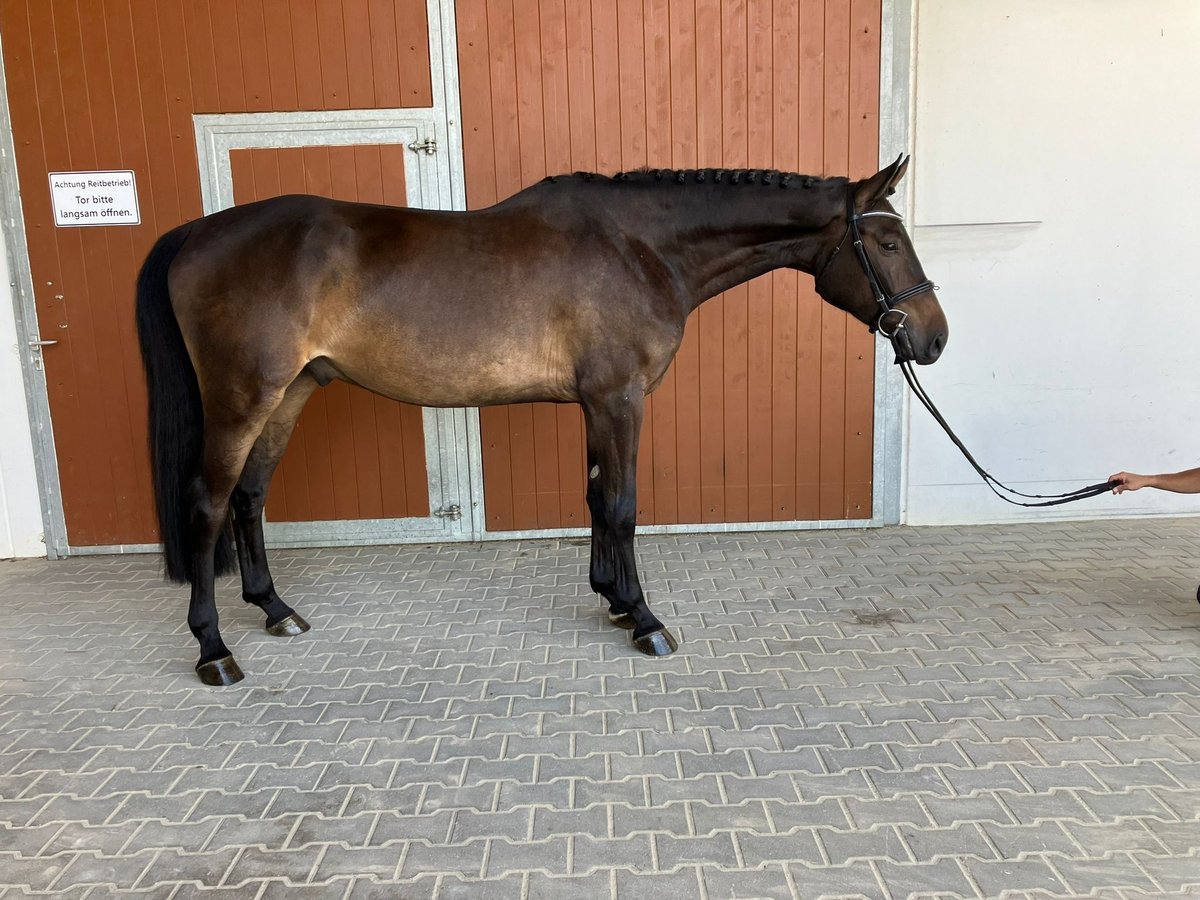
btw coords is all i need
(176, 413)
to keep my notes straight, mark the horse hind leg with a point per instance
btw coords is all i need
(248, 499)
(230, 431)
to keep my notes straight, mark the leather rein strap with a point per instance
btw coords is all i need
(996, 486)
(902, 344)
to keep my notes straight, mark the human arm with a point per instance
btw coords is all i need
(1185, 482)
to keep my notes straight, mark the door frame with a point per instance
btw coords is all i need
(37, 398)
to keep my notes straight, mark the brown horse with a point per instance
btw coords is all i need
(574, 290)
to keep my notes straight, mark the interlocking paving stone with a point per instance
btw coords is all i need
(993, 711)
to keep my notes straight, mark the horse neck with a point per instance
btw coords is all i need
(721, 235)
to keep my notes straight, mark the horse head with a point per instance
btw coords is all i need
(872, 271)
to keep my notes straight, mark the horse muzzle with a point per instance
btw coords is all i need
(902, 339)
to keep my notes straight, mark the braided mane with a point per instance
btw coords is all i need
(762, 177)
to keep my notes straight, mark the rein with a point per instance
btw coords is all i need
(996, 486)
(901, 343)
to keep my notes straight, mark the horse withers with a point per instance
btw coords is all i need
(573, 290)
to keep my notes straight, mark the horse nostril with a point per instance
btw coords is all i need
(937, 345)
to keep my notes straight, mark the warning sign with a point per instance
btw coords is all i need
(94, 198)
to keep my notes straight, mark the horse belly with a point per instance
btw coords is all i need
(439, 373)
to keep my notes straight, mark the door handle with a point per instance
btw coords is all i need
(36, 346)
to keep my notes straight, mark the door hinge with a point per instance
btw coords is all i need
(453, 512)
(429, 145)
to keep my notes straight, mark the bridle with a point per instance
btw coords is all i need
(889, 303)
(902, 344)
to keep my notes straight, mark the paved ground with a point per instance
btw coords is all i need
(951, 712)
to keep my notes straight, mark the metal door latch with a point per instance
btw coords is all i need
(36, 346)
(453, 512)
(429, 145)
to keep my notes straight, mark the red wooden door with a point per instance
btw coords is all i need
(767, 413)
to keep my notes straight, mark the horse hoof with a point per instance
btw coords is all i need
(621, 620)
(288, 626)
(219, 672)
(656, 643)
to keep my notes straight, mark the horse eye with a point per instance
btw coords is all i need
(889, 247)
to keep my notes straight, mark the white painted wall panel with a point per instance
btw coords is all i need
(20, 510)
(1056, 185)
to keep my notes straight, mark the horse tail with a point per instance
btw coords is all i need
(176, 413)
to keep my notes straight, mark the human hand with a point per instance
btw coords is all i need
(1128, 481)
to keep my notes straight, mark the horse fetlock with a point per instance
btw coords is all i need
(260, 594)
(622, 620)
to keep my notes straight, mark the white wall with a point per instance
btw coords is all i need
(20, 509)
(1057, 199)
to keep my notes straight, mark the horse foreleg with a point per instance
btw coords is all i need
(614, 424)
(249, 498)
(602, 572)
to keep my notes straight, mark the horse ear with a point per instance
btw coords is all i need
(880, 185)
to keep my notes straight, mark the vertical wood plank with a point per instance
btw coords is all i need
(334, 71)
(476, 97)
(579, 102)
(281, 55)
(385, 57)
(654, 77)
(865, 25)
(681, 102)
(550, 54)
(710, 362)
(306, 45)
(784, 338)
(412, 34)
(496, 442)
(810, 308)
(759, 326)
(360, 66)
(833, 322)
(227, 53)
(201, 55)
(251, 29)
(605, 88)
(735, 312)
(412, 431)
